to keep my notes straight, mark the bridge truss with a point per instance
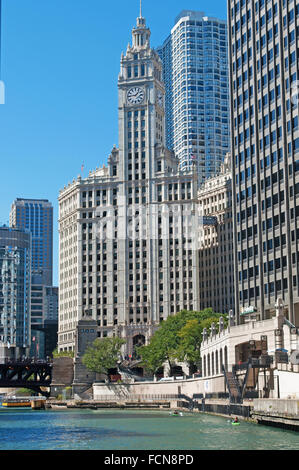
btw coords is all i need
(34, 376)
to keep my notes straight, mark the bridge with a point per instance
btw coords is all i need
(27, 374)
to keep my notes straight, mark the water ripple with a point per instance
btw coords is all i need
(131, 429)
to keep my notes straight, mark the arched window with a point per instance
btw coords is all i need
(213, 365)
(209, 366)
(204, 366)
(225, 357)
(221, 359)
(138, 340)
(216, 363)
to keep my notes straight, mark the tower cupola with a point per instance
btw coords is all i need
(141, 34)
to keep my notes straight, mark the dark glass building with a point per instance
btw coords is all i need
(263, 43)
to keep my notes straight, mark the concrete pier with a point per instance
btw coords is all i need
(277, 412)
(38, 404)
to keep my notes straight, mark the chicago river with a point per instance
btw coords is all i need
(134, 430)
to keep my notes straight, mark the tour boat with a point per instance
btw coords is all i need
(15, 402)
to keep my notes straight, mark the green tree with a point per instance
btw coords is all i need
(178, 338)
(103, 354)
(164, 343)
(55, 353)
(190, 342)
(191, 337)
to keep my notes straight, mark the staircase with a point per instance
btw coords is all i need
(234, 390)
(126, 373)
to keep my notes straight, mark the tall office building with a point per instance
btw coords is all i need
(50, 295)
(216, 267)
(127, 260)
(44, 334)
(263, 39)
(196, 77)
(15, 269)
(36, 216)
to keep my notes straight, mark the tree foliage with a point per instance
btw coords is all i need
(55, 353)
(103, 354)
(178, 339)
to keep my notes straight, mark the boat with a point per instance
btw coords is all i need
(176, 413)
(13, 402)
(235, 424)
(36, 403)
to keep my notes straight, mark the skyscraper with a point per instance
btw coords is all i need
(196, 77)
(263, 43)
(15, 258)
(126, 254)
(36, 216)
(216, 267)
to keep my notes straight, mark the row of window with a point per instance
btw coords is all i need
(271, 288)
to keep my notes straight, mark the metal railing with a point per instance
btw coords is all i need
(126, 398)
(290, 325)
(232, 384)
(9, 360)
(239, 367)
(14, 399)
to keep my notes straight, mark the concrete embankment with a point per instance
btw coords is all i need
(219, 407)
(95, 405)
(277, 412)
(196, 394)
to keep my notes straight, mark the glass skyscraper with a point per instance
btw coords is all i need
(15, 256)
(195, 73)
(265, 154)
(36, 216)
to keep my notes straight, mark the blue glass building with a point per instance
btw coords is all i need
(36, 216)
(15, 270)
(196, 77)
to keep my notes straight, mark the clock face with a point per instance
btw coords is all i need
(135, 95)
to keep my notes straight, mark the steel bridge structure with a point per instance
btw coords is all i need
(36, 376)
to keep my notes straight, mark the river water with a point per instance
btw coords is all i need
(134, 430)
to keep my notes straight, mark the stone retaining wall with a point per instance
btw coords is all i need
(188, 387)
(278, 406)
(280, 413)
(63, 371)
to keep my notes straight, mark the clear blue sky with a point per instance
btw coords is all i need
(60, 63)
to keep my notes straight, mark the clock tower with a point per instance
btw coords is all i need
(135, 263)
(141, 105)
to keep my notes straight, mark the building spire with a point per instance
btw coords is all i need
(141, 34)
